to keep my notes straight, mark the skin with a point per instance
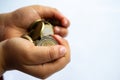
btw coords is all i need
(21, 54)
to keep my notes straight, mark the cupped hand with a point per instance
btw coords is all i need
(38, 61)
(16, 23)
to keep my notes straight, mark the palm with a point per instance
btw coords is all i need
(17, 22)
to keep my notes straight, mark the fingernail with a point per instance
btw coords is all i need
(62, 51)
(57, 30)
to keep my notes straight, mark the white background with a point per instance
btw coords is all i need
(94, 37)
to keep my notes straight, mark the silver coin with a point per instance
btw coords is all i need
(46, 41)
(40, 33)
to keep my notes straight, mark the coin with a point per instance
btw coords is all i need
(46, 41)
(40, 33)
(35, 30)
(25, 36)
(47, 29)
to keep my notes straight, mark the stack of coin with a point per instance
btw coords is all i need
(40, 33)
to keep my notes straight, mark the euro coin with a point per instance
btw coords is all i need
(46, 41)
(25, 36)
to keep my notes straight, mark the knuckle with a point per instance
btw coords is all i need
(64, 32)
(51, 52)
(43, 73)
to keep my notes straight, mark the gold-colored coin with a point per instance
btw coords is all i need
(40, 33)
(35, 29)
(25, 36)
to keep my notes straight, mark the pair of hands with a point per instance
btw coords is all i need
(18, 53)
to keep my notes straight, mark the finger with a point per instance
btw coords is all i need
(61, 31)
(42, 54)
(27, 53)
(64, 43)
(48, 12)
(45, 70)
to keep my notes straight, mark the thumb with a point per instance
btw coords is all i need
(43, 54)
